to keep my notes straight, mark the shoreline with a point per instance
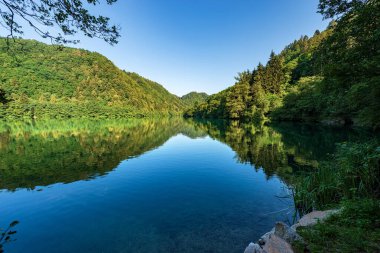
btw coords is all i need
(281, 238)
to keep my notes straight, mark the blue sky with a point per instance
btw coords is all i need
(200, 45)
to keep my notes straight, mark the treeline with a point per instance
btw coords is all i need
(332, 76)
(39, 80)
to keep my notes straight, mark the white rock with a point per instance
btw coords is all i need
(253, 248)
(286, 233)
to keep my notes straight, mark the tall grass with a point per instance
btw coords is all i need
(352, 173)
(356, 228)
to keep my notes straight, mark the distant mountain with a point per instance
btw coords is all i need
(193, 98)
(39, 80)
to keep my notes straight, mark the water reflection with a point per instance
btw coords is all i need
(281, 149)
(182, 195)
(43, 153)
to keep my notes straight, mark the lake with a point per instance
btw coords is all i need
(165, 185)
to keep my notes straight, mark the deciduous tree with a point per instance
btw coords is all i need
(70, 16)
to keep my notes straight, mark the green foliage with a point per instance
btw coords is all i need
(350, 61)
(332, 76)
(194, 98)
(333, 8)
(259, 92)
(68, 16)
(59, 82)
(303, 102)
(356, 228)
(353, 172)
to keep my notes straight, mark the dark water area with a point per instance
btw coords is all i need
(168, 185)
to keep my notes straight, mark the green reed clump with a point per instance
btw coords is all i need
(353, 172)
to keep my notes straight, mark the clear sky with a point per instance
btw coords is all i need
(200, 45)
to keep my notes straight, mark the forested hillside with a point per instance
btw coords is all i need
(194, 98)
(332, 76)
(39, 80)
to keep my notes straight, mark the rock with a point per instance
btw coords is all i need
(281, 237)
(266, 236)
(286, 233)
(312, 218)
(275, 244)
(253, 248)
(270, 243)
(261, 242)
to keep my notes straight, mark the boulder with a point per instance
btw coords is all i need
(275, 244)
(281, 237)
(253, 248)
(312, 218)
(271, 243)
(286, 233)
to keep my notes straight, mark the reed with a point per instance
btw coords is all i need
(352, 172)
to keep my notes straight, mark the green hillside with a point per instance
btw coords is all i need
(257, 93)
(332, 76)
(39, 80)
(194, 98)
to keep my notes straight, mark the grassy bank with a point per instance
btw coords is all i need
(355, 229)
(350, 180)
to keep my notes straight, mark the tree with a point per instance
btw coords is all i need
(70, 16)
(336, 8)
(274, 74)
(350, 62)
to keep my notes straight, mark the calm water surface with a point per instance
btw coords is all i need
(150, 186)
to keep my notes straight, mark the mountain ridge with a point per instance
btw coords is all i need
(40, 80)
